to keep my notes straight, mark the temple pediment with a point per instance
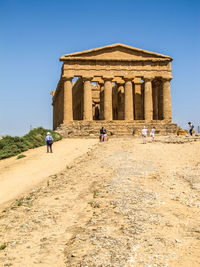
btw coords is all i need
(117, 52)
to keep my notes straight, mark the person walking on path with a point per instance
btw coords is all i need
(191, 126)
(144, 135)
(152, 133)
(49, 141)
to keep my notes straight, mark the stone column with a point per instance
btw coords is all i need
(142, 90)
(120, 101)
(108, 99)
(155, 100)
(101, 100)
(67, 108)
(167, 112)
(115, 101)
(138, 98)
(160, 101)
(128, 99)
(87, 99)
(148, 103)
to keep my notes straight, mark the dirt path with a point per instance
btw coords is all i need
(19, 176)
(121, 204)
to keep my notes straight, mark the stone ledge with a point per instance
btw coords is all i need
(114, 128)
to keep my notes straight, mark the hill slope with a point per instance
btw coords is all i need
(122, 204)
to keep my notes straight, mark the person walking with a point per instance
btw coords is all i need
(191, 127)
(144, 135)
(152, 133)
(49, 141)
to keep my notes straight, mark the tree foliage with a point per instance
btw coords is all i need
(11, 146)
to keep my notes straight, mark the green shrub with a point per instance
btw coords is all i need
(11, 146)
(3, 246)
(21, 156)
(19, 203)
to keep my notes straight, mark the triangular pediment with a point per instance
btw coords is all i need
(115, 52)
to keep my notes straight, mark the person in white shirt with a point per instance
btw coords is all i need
(144, 135)
(49, 141)
(152, 133)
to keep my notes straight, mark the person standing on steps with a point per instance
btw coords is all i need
(144, 135)
(49, 141)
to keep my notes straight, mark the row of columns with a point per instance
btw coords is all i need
(128, 99)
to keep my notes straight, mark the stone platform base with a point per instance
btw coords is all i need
(114, 128)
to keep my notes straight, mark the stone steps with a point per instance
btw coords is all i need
(114, 128)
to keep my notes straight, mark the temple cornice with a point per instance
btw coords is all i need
(84, 59)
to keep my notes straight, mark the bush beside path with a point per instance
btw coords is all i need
(11, 146)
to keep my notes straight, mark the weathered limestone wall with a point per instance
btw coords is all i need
(134, 69)
(54, 116)
(114, 128)
(155, 107)
(58, 106)
(115, 83)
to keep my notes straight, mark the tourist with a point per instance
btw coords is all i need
(49, 141)
(191, 127)
(101, 134)
(144, 135)
(105, 135)
(152, 133)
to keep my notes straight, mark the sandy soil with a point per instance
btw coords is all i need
(19, 176)
(121, 204)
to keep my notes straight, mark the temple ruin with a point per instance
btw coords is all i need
(116, 86)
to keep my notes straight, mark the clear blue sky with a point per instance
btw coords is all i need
(35, 33)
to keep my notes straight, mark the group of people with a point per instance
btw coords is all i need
(145, 132)
(103, 136)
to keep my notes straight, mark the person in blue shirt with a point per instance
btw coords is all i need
(49, 141)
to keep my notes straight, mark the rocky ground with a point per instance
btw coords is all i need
(123, 203)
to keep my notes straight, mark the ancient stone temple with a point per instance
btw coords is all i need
(117, 86)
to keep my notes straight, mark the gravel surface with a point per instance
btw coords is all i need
(123, 203)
